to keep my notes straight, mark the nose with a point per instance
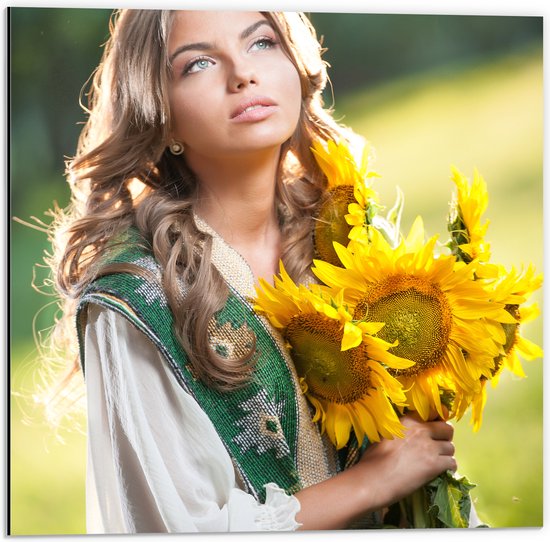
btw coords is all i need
(241, 76)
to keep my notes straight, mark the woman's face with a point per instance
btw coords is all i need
(233, 89)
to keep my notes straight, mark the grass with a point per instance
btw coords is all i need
(487, 116)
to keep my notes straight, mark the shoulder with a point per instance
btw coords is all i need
(130, 285)
(129, 278)
(129, 247)
(129, 282)
(127, 258)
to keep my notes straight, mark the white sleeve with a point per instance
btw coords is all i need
(155, 461)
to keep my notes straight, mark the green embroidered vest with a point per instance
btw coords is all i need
(266, 426)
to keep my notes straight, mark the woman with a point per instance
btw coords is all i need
(193, 178)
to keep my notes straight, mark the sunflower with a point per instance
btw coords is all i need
(464, 222)
(513, 289)
(434, 312)
(347, 184)
(515, 346)
(342, 367)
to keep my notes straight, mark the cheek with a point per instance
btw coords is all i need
(293, 88)
(188, 117)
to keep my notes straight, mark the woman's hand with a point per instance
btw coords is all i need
(405, 464)
(388, 471)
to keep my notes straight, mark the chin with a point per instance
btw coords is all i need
(269, 139)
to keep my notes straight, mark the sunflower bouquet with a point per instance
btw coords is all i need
(398, 323)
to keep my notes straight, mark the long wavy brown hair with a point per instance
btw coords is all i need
(123, 175)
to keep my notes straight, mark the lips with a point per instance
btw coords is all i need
(255, 108)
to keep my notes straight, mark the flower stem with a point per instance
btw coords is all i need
(420, 516)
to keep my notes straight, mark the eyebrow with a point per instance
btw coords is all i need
(205, 46)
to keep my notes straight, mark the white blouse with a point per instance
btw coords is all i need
(177, 475)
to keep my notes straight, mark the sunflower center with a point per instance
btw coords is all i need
(331, 374)
(415, 312)
(331, 224)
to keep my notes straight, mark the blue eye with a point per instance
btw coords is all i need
(200, 64)
(263, 43)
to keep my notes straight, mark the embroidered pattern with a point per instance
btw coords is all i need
(229, 342)
(260, 427)
(155, 293)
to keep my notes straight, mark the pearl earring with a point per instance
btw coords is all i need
(176, 148)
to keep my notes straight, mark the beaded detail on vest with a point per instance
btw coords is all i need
(265, 426)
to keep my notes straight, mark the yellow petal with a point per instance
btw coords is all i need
(352, 336)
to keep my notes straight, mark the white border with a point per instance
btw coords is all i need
(443, 7)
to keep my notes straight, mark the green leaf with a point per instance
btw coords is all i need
(450, 499)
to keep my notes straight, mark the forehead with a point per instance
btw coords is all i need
(195, 26)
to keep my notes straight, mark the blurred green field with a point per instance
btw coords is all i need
(47, 468)
(487, 115)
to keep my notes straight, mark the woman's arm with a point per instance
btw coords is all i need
(387, 472)
(155, 462)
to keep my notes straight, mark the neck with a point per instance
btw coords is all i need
(237, 199)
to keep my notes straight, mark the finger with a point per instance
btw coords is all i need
(452, 464)
(446, 448)
(441, 430)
